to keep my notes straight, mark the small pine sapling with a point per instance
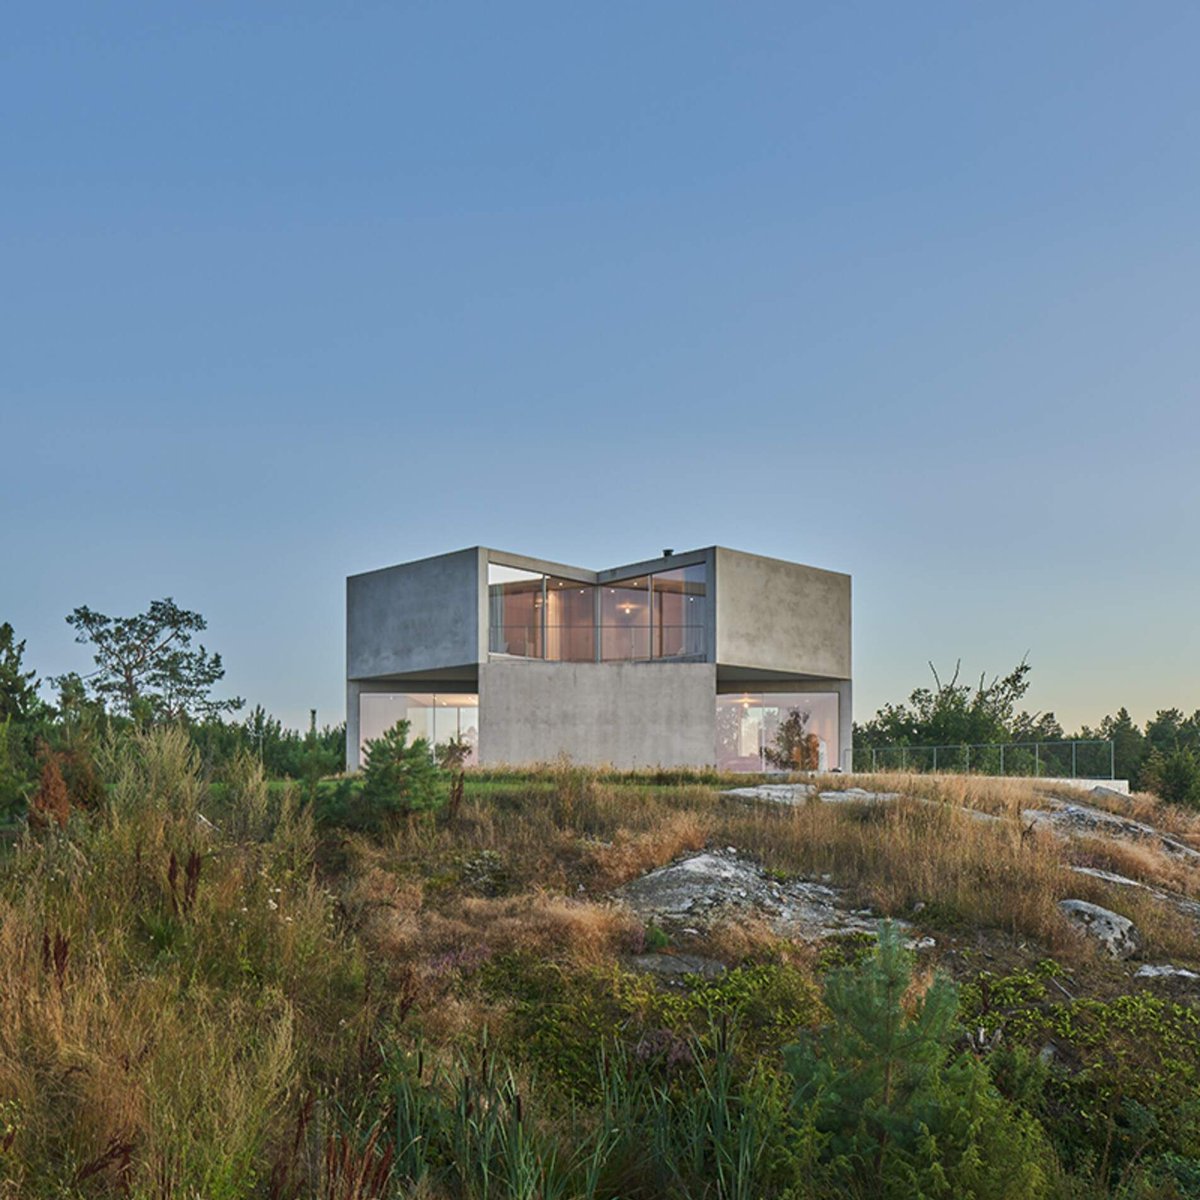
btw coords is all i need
(398, 777)
(901, 1113)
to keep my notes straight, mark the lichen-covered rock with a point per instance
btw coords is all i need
(701, 890)
(1164, 971)
(1068, 819)
(1116, 934)
(678, 966)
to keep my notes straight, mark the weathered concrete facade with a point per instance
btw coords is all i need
(781, 617)
(688, 659)
(628, 714)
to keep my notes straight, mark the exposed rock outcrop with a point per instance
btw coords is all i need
(697, 892)
(1117, 935)
(1069, 818)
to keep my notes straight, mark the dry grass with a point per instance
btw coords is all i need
(895, 855)
(997, 874)
(156, 1016)
(582, 833)
(156, 1033)
(1141, 861)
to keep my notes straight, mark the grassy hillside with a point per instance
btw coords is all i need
(203, 993)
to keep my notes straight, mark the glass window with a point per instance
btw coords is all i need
(515, 619)
(435, 717)
(570, 620)
(680, 612)
(777, 731)
(625, 620)
(543, 616)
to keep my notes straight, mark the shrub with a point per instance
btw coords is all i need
(1124, 1086)
(900, 1114)
(50, 804)
(398, 777)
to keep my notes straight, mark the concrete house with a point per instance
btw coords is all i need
(691, 659)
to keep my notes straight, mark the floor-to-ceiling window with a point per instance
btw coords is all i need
(679, 608)
(516, 618)
(437, 717)
(625, 619)
(659, 615)
(570, 620)
(777, 731)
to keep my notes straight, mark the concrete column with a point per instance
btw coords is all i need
(845, 691)
(353, 690)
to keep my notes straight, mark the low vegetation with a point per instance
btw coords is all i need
(227, 972)
(217, 987)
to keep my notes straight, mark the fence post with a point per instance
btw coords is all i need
(872, 760)
(1112, 760)
(1002, 759)
(1037, 759)
(1074, 763)
(967, 770)
(935, 760)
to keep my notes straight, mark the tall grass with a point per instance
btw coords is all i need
(185, 970)
(468, 1128)
(163, 987)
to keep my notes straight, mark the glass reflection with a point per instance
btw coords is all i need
(680, 605)
(436, 717)
(777, 731)
(625, 620)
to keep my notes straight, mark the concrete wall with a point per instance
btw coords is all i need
(623, 714)
(419, 616)
(781, 616)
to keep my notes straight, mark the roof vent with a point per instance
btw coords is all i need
(668, 553)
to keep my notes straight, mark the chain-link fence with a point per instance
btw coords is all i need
(1055, 760)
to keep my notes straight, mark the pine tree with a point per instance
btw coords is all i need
(398, 777)
(18, 688)
(902, 1117)
(23, 717)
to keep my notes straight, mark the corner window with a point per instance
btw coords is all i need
(663, 615)
(516, 600)
(777, 731)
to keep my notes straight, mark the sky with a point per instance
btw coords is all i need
(292, 291)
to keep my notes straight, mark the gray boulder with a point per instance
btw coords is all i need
(678, 966)
(1116, 934)
(1164, 971)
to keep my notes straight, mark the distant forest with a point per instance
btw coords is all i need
(148, 671)
(1161, 757)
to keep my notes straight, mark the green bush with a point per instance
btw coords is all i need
(1123, 1087)
(398, 778)
(900, 1114)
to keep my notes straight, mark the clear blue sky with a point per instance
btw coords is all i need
(290, 291)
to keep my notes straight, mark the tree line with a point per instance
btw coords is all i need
(1163, 756)
(148, 670)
